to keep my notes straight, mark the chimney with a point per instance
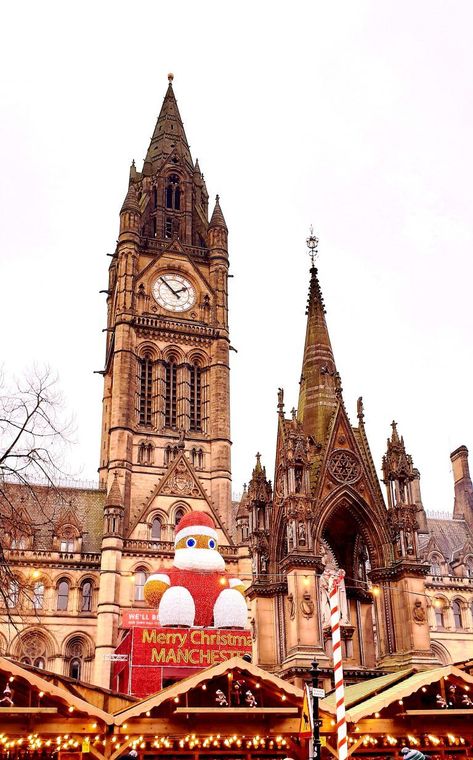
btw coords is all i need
(463, 504)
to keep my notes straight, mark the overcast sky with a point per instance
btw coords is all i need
(355, 117)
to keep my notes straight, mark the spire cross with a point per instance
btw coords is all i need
(312, 243)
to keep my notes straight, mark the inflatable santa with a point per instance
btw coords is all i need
(196, 590)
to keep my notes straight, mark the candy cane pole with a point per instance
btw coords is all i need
(332, 582)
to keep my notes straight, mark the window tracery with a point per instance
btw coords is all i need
(33, 650)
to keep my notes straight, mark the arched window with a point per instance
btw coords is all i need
(173, 192)
(146, 390)
(469, 568)
(457, 614)
(140, 580)
(195, 397)
(86, 597)
(74, 655)
(439, 614)
(178, 516)
(33, 650)
(67, 546)
(62, 595)
(75, 667)
(13, 593)
(156, 529)
(435, 568)
(19, 543)
(38, 595)
(170, 401)
(145, 453)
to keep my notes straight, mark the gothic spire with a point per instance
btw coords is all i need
(114, 496)
(169, 135)
(320, 388)
(218, 220)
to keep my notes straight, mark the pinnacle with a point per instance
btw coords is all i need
(114, 496)
(218, 220)
(131, 201)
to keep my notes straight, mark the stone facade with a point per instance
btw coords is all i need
(165, 450)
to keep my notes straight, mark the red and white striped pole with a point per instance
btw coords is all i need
(332, 582)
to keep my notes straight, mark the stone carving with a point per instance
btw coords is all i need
(307, 605)
(181, 482)
(302, 533)
(344, 466)
(292, 606)
(418, 612)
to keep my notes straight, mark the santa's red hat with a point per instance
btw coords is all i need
(195, 524)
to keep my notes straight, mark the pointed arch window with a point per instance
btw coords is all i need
(439, 614)
(13, 593)
(170, 399)
(38, 595)
(469, 568)
(178, 516)
(457, 614)
(435, 568)
(173, 192)
(140, 580)
(86, 597)
(146, 390)
(62, 596)
(195, 397)
(156, 528)
(33, 650)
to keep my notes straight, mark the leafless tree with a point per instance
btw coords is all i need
(33, 437)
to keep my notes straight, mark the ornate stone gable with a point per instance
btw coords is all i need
(343, 463)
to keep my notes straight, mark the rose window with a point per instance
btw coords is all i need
(344, 466)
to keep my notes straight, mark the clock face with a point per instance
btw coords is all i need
(174, 292)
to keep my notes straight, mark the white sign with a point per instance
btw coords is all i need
(115, 657)
(319, 693)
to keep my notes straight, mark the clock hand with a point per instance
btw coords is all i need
(168, 286)
(180, 291)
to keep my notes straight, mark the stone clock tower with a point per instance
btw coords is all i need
(166, 427)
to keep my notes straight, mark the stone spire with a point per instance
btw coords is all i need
(218, 219)
(114, 497)
(320, 382)
(169, 135)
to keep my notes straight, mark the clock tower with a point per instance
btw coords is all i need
(166, 405)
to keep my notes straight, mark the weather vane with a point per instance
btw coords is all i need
(312, 244)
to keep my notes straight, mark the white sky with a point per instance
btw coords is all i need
(356, 117)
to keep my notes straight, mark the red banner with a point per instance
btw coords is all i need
(187, 647)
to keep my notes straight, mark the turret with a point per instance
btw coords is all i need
(463, 504)
(242, 518)
(399, 476)
(259, 503)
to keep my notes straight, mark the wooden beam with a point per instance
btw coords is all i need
(27, 710)
(243, 711)
(331, 750)
(355, 746)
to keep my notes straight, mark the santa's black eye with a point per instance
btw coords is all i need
(212, 543)
(191, 542)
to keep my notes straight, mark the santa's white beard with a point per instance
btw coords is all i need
(198, 559)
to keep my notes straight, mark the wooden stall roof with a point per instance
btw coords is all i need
(9, 668)
(192, 682)
(384, 692)
(105, 699)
